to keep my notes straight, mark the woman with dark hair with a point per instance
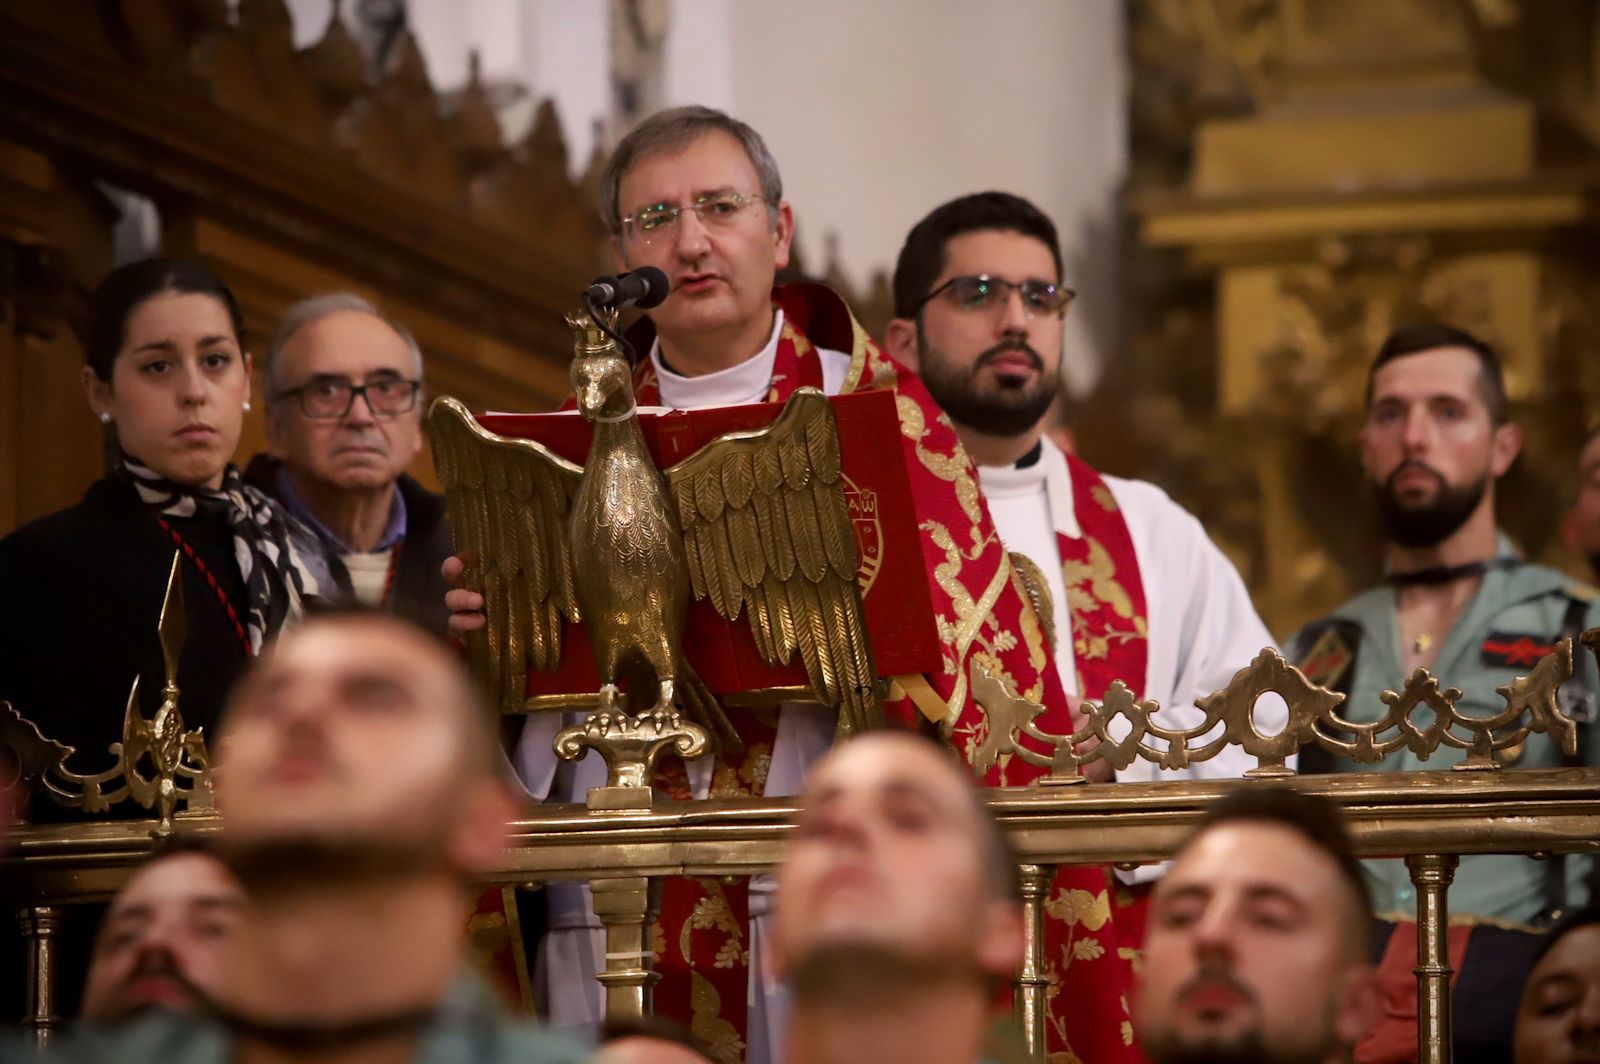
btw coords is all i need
(84, 587)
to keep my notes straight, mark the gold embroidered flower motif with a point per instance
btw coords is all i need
(1075, 906)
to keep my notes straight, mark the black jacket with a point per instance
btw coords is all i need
(418, 587)
(80, 598)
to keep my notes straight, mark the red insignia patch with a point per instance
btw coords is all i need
(1325, 663)
(1516, 650)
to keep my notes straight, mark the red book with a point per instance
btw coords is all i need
(893, 579)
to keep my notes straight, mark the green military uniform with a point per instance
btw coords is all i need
(1518, 613)
(470, 1028)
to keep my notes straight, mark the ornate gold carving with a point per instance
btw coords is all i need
(768, 531)
(630, 746)
(177, 755)
(756, 521)
(1532, 705)
(509, 501)
(1037, 590)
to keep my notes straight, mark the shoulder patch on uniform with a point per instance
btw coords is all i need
(1329, 658)
(1581, 591)
(1516, 649)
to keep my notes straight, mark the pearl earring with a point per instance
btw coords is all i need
(105, 417)
(247, 404)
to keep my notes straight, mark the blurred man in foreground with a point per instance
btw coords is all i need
(161, 943)
(883, 968)
(1256, 951)
(1559, 1021)
(361, 790)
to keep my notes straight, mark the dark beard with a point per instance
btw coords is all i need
(1435, 522)
(1247, 1049)
(309, 862)
(864, 977)
(1164, 1046)
(1007, 413)
(159, 962)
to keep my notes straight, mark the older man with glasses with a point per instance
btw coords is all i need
(344, 420)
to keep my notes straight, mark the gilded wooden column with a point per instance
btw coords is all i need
(40, 924)
(1032, 982)
(1432, 873)
(626, 908)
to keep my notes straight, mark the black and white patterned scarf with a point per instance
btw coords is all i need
(276, 557)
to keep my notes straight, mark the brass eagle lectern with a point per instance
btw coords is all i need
(755, 521)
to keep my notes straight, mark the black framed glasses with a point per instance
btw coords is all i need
(333, 397)
(982, 292)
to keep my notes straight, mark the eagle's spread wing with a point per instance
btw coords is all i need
(766, 529)
(509, 501)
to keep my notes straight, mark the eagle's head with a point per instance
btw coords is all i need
(603, 385)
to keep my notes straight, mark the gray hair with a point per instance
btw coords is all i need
(314, 309)
(672, 131)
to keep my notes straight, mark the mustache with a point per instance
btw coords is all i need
(155, 964)
(1412, 465)
(1006, 346)
(1215, 975)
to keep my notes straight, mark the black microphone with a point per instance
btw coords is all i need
(644, 288)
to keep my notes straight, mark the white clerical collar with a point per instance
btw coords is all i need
(748, 382)
(1049, 474)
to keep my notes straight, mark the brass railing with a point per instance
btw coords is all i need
(1427, 818)
(1430, 818)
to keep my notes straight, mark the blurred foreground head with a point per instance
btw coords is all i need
(161, 944)
(896, 876)
(357, 748)
(1559, 1020)
(1257, 945)
(648, 1040)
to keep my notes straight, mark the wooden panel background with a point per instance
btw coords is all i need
(293, 173)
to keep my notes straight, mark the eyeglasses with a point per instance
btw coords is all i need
(334, 397)
(659, 221)
(982, 292)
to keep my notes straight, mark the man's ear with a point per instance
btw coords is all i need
(485, 827)
(1001, 943)
(277, 434)
(97, 392)
(1362, 441)
(1504, 448)
(783, 236)
(900, 341)
(1360, 1004)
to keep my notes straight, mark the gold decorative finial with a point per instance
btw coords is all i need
(589, 338)
(173, 627)
(178, 755)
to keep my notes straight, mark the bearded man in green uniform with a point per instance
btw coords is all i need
(1458, 598)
